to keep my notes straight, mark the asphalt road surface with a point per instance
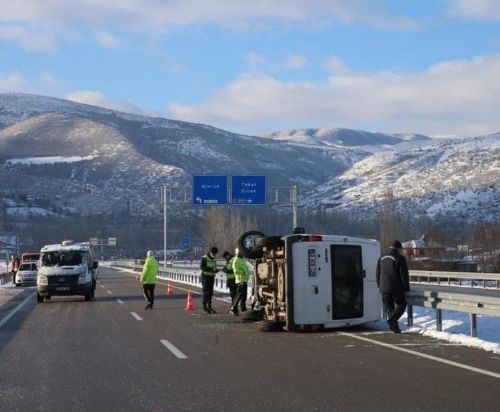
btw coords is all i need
(112, 355)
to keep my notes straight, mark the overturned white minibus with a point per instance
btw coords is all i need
(311, 282)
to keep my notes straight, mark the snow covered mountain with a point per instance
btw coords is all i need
(453, 179)
(104, 156)
(63, 157)
(343, 137)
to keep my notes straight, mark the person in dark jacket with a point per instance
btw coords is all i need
(208, 267)
(393, 282)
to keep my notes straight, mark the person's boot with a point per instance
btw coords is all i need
(148, 306)
(210, 308)
(205, 308)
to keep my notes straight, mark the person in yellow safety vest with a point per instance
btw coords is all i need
(208, 266)
(148, 279)
(230, 277)
(242, 274)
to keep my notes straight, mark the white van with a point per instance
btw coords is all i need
(66, 269)
(312, 282)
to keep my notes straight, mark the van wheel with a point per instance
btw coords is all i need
(253, 315)
(272, 326)
(247, 244)
(39, 298)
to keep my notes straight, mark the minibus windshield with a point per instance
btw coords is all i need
(66, 258)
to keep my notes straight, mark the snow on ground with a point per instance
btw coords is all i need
(456, 328)
(50, 160)
(27, 211)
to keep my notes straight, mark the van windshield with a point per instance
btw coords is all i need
(72, 258)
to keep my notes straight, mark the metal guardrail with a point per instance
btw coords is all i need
(460, 302)
(467, 279)
(5, 277)
(184, 275)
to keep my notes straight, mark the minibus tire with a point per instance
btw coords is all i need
(250, 253)
(272, 326)
(252, 316)
(39, 298)
(88, 296)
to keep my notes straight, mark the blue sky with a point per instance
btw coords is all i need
(254, 67)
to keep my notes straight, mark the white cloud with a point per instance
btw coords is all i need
(107, 40)
(12, 82)
(30, 39)
(96, 98)
(451, 97)
(255, 60)
(149, 14)
(295, 61)
(476, 9)
(335, 65)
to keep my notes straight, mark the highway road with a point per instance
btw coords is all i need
(112, 355)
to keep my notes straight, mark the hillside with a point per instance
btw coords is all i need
(441, 178)
(62, 157)
(123, 156)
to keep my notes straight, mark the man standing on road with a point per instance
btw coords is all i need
(208, 268)
(393, 281)
(230, 278)
(148, 279)
(242, 275)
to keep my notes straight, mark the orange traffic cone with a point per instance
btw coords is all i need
(170, 289)
(189, 304)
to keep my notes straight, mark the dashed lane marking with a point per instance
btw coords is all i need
(102, 286)
(135, 315)
(424, 355)
(119, 301)
(171, 347)
(109, 292)
(13, 311)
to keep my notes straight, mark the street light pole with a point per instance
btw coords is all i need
(164, 227)
(294, 206)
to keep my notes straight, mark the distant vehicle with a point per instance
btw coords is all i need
(312, 282)
(26, 274)
(30, 257)
(67, 269)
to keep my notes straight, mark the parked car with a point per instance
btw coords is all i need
(26, 275)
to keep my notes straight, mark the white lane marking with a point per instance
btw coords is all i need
(424, 355)
(135, 315)
(109, 292)
(102, 286)
(173, 349)
(13, 311)
(119, 301)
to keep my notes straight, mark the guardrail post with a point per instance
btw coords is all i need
(410, 315)
(473, 325)
(439, 320)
